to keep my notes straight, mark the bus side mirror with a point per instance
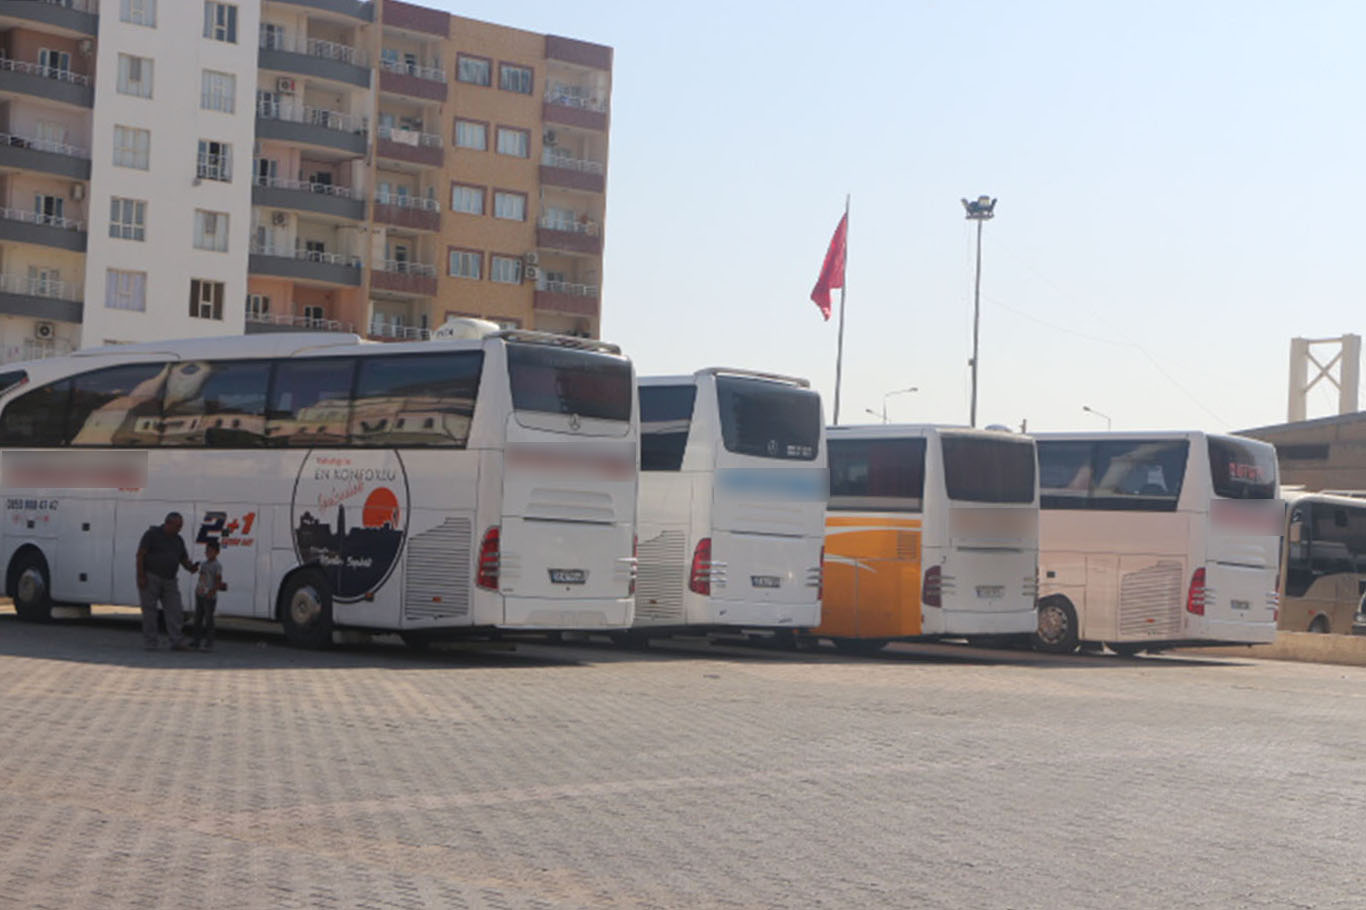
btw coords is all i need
(1296, 531)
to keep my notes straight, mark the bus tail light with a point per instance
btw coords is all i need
(489, 558)
(699, 579)
(1195, 598)
(635, 565)
(820, 584)
(932, 595)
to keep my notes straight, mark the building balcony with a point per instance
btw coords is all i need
(305, 265)
(27, 226)
(315, 57)
(579, 53)
(414, 18)
(303, 196)
(399, 78)
(397, 331)
(566, 297)
(310, 126)
(260, 323)
(582, 236)
(424, 149)
(72, 17)
(363, 10)
(26, 153)
(40, 298)
(51, 83)
(414, 278)
(558, 169)
(574, 106)
(412, 212)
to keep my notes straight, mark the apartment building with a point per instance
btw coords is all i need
(174, 168)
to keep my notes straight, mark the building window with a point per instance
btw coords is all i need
(314, 315)
(467, 199)
(44, 281)
(211, 231)
(258, 306)
(131, 147)
(215, 160)
(470, 134)
(467, 264)
(220, 21)
(125, 290)
(206, 299)
(474, 70)
(511, 206)
(135, 76)
(127, 219)
(49, 209)
(54, 64)
(218, 92)
(514, 78)
(505, 269)
(273, 36)
(139, 12)
(514, 142)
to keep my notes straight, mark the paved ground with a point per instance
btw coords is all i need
(259, 776)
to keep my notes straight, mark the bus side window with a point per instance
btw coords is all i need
(217, 404)
(1298, 573)
(1065, 474)
(36, 419)
(416, 399)
(117, 406)
(1139, 475)
(665, 420)
(310, 402)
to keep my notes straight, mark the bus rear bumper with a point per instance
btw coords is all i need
(763, 615)
(1241, 633)
(550, 614)
(953, 623)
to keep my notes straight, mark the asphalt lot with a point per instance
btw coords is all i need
(691, 775)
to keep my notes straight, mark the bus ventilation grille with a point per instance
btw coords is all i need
(1150, 601)
(908, 546)
(661, 575)
(438, 580)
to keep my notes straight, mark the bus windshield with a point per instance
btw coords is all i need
(566, 381)
(767, 419)
(977, 469)
(1241, 470)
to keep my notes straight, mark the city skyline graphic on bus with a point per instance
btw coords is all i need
(350, 517)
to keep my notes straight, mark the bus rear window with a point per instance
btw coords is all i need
(988, 470)
(767, 419)
(877, 474)
(665, 418)
(1242, 470)
(565, 381)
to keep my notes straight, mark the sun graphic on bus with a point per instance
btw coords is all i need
(380, 509)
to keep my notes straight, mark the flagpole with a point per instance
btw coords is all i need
(839, 354)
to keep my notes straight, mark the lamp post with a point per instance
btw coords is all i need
(1106, 417)
(895, 392)
(874, 413)
(980, 209)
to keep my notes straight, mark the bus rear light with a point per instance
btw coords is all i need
(932, 594)
(635, 565)
(1195, 597)
(699, 578)
(820, 579)
(489, 559)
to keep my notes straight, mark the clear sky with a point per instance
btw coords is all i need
(1179, 187)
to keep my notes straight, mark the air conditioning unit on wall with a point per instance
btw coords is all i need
(532, 258)
(278, 218)
(44, 331)
(532, 273)
(286, 86)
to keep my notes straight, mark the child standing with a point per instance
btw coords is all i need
(206, 597)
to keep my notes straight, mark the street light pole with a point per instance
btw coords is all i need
(1106, 417)
(895, 392)
(980, 209)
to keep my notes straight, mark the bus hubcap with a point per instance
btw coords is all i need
(305, 607)
(1052, 623)
(31, 586)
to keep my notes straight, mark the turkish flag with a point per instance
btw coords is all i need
(832, 270)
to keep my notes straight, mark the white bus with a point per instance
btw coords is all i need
(732, 502)
(1151, 540)
(932, 532)
(427, 488)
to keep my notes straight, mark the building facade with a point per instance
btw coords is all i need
(177, 168)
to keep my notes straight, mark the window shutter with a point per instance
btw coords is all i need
(194, 297)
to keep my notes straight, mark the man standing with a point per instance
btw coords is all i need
(161, 553)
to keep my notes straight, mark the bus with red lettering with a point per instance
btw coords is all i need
(1152, 540)
(483, 481)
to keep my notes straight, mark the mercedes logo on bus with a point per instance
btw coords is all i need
(574, 422)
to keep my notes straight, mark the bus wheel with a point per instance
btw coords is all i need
(1124, 648)
(1057, 632)
(31, 599)
(307, 611)
(1320, 625)
(861, 646)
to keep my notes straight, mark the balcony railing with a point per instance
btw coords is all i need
(80, 6)
(31, 217)
(574, 96)
(40, 287)
(572, 225)
(280, 183)
(44, 145)
(273, 109)
(410, 137)
(214, 167)
(47, 72)
(379, 327)
(406, 201)
(304, 255)
(315, 47)
(570, 289)
(430, 73)
(300, 322)
(403, 267)
(552, 158)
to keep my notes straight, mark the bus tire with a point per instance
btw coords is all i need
(29, 587)
(863, 647)
(306, 610)
(1319, 625)
(1057, 631)
(1125, 648)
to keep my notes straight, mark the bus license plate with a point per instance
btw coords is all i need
(568, 576)
(991, 592)
(765, 581)
(1240, 604)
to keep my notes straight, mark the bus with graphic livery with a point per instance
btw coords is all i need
(932, 532)
(483, 481)
(732, 503)
(1151, 540)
